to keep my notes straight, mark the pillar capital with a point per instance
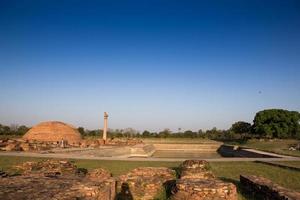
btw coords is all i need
(105, 115)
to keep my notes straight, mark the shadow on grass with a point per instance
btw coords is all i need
(169, 187)
(240, 190)
(125, 193)
(177, 171)
(163, 194)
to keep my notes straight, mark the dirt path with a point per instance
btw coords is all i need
(71, 156)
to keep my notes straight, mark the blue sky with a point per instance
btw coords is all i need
(149, 64)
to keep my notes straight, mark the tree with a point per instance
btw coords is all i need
(22, 130)
(4, 130)
(277, 123)
(190, 134)
(165, 133)
(81, 130)
(146, 133)
(241, 127)
(129, 132)
(14, 129)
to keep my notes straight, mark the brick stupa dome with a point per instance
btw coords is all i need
(53, 131)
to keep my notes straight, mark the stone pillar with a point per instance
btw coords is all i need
(105, 127)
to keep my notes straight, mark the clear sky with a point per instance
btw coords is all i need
(149, 64)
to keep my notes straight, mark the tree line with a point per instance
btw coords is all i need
(271, 123)
(13, 129)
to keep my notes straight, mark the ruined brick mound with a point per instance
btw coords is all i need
(144, 182)
(147, 172)
(53, 131)
(193, 164)
(197, 182)
(208, 189)
(40, 182)
(60, 167)
(39, 187)
(196, 174)
(265, 187)
(195, 169)
(27, 145)
(98, 174)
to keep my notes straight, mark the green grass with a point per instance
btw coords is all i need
(115, 167)
(231, 170)
(289, 163)
(227, 171)
(279, 146)
(10, 136)
(6, 162)
(120, 167)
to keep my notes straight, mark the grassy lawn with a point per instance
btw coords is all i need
(227, 171)
(289, 163)
(115, 167)
(10, 137)
(230, 171)
(279, 146)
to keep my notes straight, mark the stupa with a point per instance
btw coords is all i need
(53, 131)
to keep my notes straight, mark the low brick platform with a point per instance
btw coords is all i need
(58, 180)
(195, 164)
(144, 183)
(267, 189)
(41, 187)
(197, 182)
(201, 189)
(195, 169)
(60, 166)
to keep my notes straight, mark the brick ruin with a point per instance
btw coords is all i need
(54, 179)
(264, 187)
(144, 183)
(54, 134)
(62, 180)
(37, 146)
(197, 182)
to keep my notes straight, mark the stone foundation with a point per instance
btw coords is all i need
(195, 169)
(25, 145)
(198, 183)
(144, 183)
(201, 189)
(59, 180)
(50, 166)
(266, 188)
(62, 180)
(41, 187)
